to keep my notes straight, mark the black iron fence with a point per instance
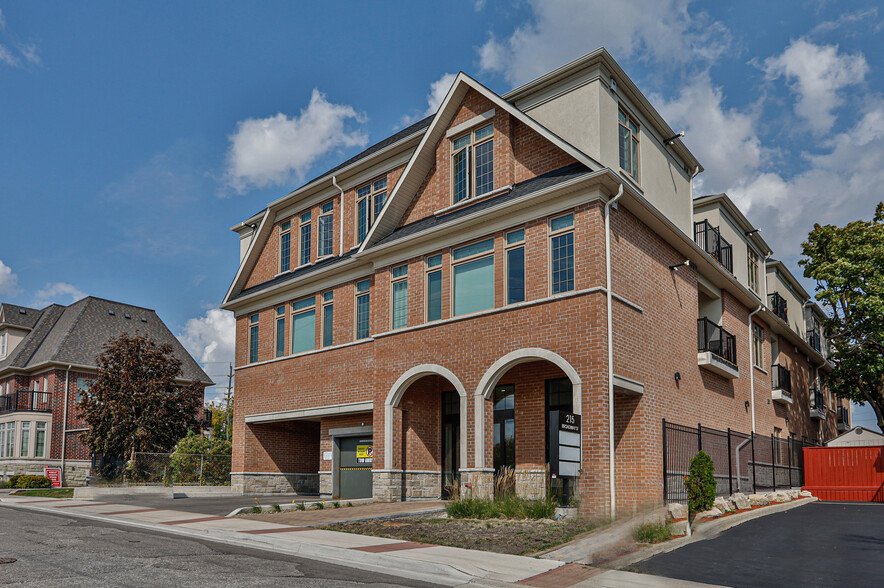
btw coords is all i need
(778, 306)
(26, 401)
(743, 463)
(780, 378)
(710, 240)
(162, 469)
(711, 337)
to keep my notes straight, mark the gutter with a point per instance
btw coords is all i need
(609, 205)
(64, 422)
(752, 365)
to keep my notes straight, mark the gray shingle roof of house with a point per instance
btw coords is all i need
(18, 316)
(76, 334)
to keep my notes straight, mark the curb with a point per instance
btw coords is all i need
(268, 508)
(708, 530)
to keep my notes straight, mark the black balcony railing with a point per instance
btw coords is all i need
(817, 400)
(711, 337)
(815, 341)
(780, 378)
(26, 401)
(710, 240)
(843, 415)
(778, 306)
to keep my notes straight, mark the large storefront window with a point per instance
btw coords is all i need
(504, 427)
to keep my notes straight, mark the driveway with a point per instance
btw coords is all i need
(208, 505)
(820, 544)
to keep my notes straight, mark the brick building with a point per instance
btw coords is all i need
(406, 320)
(47, 359)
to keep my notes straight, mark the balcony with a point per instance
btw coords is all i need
(710, 240)
(817, 404)
(26, 401)
(716, 349)
(778, 306)
(781, 384)
(815, 341)
(843, 418)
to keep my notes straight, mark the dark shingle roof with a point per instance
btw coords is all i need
(19, 316)
(295, 274)
(76, 334)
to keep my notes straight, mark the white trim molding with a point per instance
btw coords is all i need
(306, 413)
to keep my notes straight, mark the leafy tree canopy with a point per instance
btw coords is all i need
(847, 264)
(135, 404)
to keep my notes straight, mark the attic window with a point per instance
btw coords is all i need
(472, 164)
(143, 320)
(112, 313)
(22, 311)
(127, 315)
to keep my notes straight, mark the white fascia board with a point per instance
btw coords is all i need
(246, 260)
(736, 215)
(311, 413)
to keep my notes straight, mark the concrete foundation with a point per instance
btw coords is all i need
(266, 483)
(75, 472)
(477, 483)
(531, 484)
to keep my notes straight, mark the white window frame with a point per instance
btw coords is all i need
(395, 281)
(635, 139)
(300, 311)
(470, 152)
(357, 295)
(557, 233)
(475, 257)
(374, 191)
(283, 231)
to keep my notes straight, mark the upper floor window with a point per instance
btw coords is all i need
(753, 270)
(562, 253)
(326, 229)
(328, 319)
(3, 344)
(363, 308)
(370, 201)
(285, 246)
(628, 144)
(473, 277)
(280, 331)
(515, 266)
(304, 325)
(83, 385)
(757, 346)
(305, 238)
(434, 288)
(253, 338)
(472, 164)
(400, 297)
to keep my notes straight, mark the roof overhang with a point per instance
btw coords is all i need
(737, 215)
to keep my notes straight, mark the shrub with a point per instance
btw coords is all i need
(700, 483)
(255, 510)
(301, 506)
(276, 508)
(505, 506)
(336, 504)
(30, 482)
(651, 533)
(319, 505)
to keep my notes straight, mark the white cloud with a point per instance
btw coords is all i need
(2, 20)
(724, 139)
(868, 15)
(8, 280)
(30, 53)
(817, 74)
(211, 338)
(666, 32)
(58, 293)
(8, 58)
(438, 91)
(279, 149)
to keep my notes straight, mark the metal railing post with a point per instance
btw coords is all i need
(665, 471)
(730, 477)
(754, 477)
(773, 461)
(202, 459)
(789, 443)
(699, 437)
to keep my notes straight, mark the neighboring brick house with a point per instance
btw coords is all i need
(406, 320)
(47, 358)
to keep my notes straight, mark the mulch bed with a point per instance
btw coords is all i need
(515, 537)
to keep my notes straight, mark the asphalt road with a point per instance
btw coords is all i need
(220, 506)
(53, 550)
(819, 544)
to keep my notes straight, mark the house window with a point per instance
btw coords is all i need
(562, 253)
(304, 325)
(370, 201)
(280, 331)
(753, 270)
(757, 346)
(24, 446)
(305, 238)
(434, 288)
(504, 427)
(328, 319)
(3, 344)
(10, 439)
(326, 229)
(473, 277)
(363, 307)
(628, 145)
(472, 164)
(515, 266)
(400, 297)
(253, 338)
(83, 385)
(40, 440)
(2, 439)
(285, 246)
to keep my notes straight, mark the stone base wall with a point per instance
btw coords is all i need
(530, 484)
(75, 472)
(423, 485)
(477, 483)
(275, 483)
(326, 484)
(387, 485)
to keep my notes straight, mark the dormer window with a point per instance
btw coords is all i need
(285, 246)
(3, 344)
(472, 164)
(628, 144)
(370, 201)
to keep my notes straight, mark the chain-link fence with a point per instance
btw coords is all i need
(165, 469)
(743, 463)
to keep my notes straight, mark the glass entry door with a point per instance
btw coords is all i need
(450, 441)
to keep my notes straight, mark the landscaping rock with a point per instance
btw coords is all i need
(758, 500)
(805, 494)
(678, 511)
(722, 504)
(678, 528)
(793, 493)
(740, 501)
(783, 497)
(708, 514)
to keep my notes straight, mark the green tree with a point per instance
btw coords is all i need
(700, 483)
(137, 402)
(222, 420)
(847, 264)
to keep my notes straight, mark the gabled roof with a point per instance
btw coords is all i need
(737, 215)
(18, 316)
(424, 157)
(76, 334)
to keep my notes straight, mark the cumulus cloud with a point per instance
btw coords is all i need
(57, 293)
(8, 280)
(21, 54)
(280, 149)
(211, 337)
(816, 74)
(666, 32)
(438, 91)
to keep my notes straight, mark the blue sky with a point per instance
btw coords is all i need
(135, 135)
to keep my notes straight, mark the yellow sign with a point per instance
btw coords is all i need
(364, 451)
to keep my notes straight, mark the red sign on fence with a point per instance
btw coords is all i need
(845, 473)
(53, 474)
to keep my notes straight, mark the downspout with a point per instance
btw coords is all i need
(64, 421)
(341, 236)
(609, 205)
(752, 365)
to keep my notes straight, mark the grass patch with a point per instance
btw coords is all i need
(47, 492)
(651, 533)
(502, 507)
